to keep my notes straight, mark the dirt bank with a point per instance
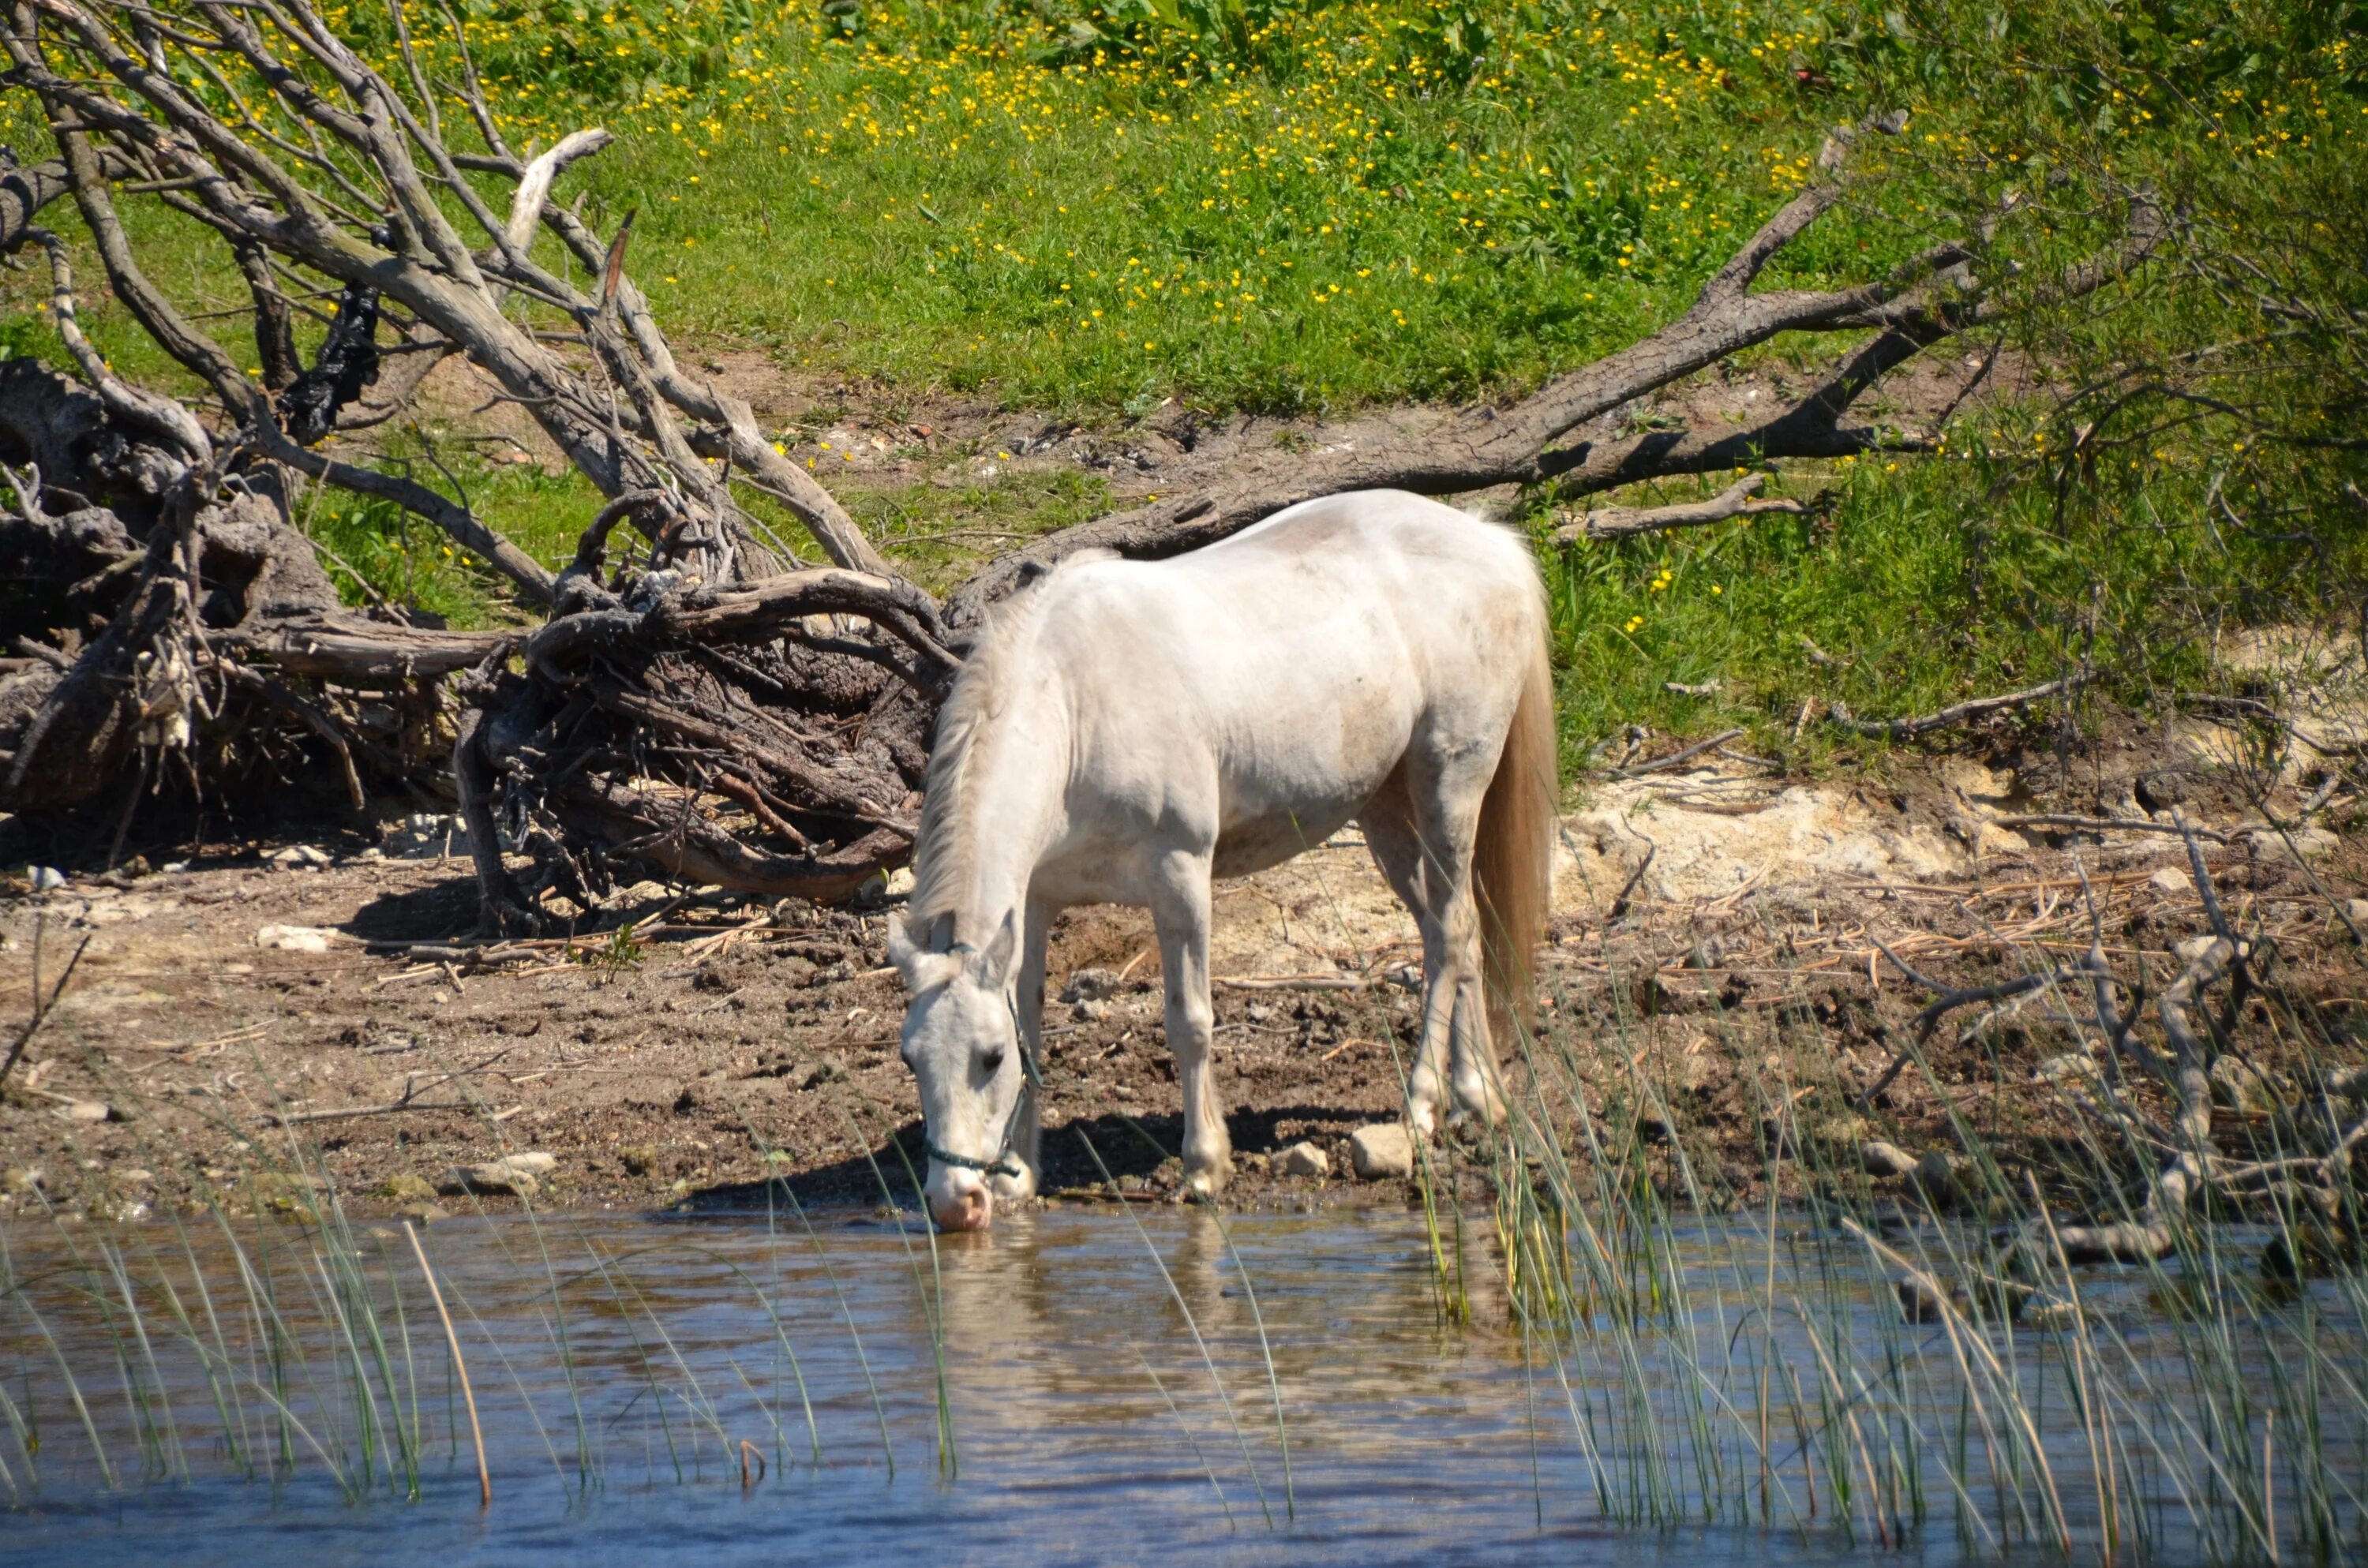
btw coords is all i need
(315, 1007)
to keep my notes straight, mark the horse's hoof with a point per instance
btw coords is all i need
(1203, 1186)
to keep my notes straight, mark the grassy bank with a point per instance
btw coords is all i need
(1222, 205)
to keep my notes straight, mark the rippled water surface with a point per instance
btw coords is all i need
(1078, 1413)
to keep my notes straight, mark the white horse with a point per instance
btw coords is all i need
(1125, 731)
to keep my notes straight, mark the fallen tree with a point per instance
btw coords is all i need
(703, 701)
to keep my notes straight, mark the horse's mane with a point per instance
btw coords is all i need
(942, 851)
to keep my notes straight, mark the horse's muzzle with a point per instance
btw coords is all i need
(969, 1208)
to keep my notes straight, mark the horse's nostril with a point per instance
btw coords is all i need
(973, 1210)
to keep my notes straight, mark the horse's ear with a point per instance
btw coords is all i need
(994, 958)
(901, 951)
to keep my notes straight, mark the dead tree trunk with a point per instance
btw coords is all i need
(706, 705)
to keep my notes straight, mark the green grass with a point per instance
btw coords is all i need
(1312, 209)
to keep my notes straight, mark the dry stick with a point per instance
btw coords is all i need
(476, 1433)
(2104, 825)
(41, 1011)
(1677, 757)
(1902, 729)
(1619, 522)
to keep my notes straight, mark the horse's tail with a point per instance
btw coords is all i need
(1513, 862)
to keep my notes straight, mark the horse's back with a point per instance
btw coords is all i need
(1263, 688)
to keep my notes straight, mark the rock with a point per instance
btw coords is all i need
(406, 1187)
(135, 1176)
(2244, 1088)
(1090, 985)
(1086, 1010)
(1878, 1158)
(23, 1181)
(901, 882)
(87, 1111)
(429, 835)
(423, 1213)
(2072, 1067)
(1841, 1132)
(1923, 1299)
(293, 938)
(45, 879)
(511, 1175)
(1945, 1177)
(2356, 910)
(640, 1159)
(296, 855)
(1304, 1159)
(1132, 1184)
(2305, 842)
(2048, 1313)
(1381, 1152)
(2172, 882)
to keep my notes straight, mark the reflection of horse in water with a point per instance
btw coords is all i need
(1055, 1325)
(1125, 731)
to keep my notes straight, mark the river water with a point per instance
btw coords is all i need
(1082, 1385)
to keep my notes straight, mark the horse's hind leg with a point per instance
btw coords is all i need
(1442, 788)
(1398, 849)
(1179, 908)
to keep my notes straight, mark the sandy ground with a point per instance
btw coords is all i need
(265, 1009)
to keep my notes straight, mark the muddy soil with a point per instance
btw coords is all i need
(315, 1009)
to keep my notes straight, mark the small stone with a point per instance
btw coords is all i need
(1944, 1175)
(2048, 1313)
(2356, 910)
(1087, 1010)
(45, 879)
(2172, 882)
(2305, 842)
(298, 855)
(293, 938)
(2072, 1067)
(423, 1213)
(1841, 1132)
(1304, 1159)
(23, 1181)
(406, 1187)
(901, 882)
(1090, 985)
(1381, 1152)
(513, 1175)
(135, 1176)
(87, 1111)
(640, 1159)
(1132, 1184)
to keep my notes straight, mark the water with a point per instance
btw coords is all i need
(621, 1364)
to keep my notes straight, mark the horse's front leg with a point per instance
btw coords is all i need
(1029, 1003)
(1180, 909)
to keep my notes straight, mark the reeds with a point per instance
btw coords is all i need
(1783, 1343)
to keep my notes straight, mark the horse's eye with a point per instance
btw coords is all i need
(992, 1062)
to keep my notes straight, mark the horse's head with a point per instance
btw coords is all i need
(961, 1040)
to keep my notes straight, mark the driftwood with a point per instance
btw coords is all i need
(703, 702)
(2311, 1183)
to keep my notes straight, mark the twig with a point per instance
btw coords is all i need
(1902, 729)
(2105, 824)
(40, 1010)
(1675, 757)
